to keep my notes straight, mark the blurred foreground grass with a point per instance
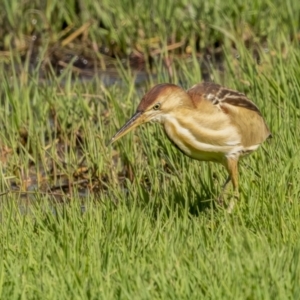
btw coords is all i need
(92, 34)
(80, 220)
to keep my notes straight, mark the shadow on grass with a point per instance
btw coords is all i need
(192, 201)
(196, 201)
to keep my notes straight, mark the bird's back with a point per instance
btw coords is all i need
(218, 123)
(241, 112)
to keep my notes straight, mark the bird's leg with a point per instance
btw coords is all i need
(232, 168)
(224, 187)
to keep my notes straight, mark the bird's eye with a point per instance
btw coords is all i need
(156, 106)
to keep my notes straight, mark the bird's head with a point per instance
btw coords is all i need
(160, 101)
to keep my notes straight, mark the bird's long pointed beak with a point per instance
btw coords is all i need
(133, 122)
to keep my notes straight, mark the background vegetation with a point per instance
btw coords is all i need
(80, 220)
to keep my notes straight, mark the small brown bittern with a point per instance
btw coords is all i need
(208, 122)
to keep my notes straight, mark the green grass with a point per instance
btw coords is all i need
(161, 240)
(130, 252)
(136, 220)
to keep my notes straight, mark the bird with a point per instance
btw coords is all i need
(208, 122)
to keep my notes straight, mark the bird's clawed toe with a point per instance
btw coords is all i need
(233, 199)
(220, 200)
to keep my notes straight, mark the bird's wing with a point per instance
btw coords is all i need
(218, 94)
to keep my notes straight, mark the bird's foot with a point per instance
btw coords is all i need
(231, 205)
(220, 200)
(232, 202)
